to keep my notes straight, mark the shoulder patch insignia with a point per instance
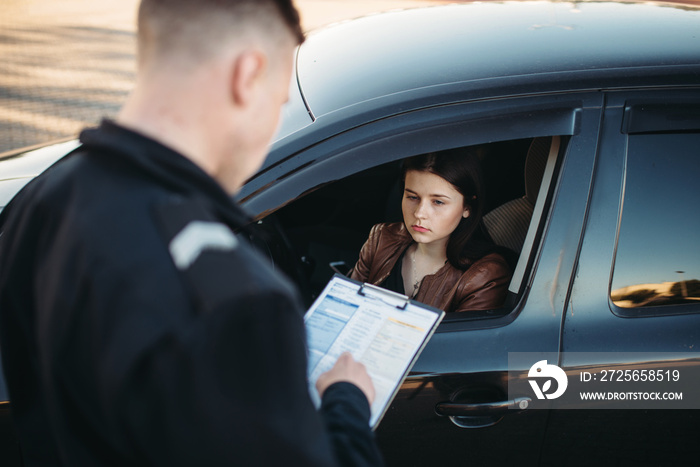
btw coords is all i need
(198, 236)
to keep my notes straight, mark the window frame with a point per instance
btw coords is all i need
(434, 129)
(652, 116)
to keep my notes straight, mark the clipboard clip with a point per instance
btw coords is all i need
(389, 297)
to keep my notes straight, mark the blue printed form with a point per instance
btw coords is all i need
(324, 326)
(383, 330)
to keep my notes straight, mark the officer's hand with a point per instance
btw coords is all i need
(347, 369)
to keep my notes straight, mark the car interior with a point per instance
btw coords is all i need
(321, 234)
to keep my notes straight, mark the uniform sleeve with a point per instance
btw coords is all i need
(484, 285)
(232, 390)
(346, 414)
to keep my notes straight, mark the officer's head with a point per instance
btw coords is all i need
(231, 62)
(195, 30)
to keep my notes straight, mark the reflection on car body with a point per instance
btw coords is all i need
(601, 220)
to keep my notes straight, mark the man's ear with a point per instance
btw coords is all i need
(247, 71)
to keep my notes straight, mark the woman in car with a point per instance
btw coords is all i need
(438, 255)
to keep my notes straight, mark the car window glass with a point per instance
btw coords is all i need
(657, 261)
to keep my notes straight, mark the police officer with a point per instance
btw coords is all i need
(136, 327)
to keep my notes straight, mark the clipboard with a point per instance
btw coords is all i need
(384, 330)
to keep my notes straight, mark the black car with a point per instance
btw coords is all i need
(586, 117)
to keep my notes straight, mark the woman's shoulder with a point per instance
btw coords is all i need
(492, 265)
(388, 237)
(385, 243)
(493, 258)
(483, 286)
(390, 230)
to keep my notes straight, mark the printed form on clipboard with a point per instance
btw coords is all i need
(382, 329)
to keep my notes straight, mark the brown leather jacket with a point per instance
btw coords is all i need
(481, 287)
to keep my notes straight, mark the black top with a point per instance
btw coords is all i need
(138, 328)
(394, 281)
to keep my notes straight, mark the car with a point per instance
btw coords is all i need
(586, 116)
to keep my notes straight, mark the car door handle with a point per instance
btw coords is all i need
(456, 409)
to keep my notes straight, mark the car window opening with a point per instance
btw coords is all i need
(326, 229)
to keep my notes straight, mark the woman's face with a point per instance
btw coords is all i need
(432, 207)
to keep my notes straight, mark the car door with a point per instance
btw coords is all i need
(634, 309)
(466, 362)
(455, 408)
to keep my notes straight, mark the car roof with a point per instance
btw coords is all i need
(364, 69)
(397, 52)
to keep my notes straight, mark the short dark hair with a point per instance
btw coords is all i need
(461, 168)
(291, 17)
(179, 26)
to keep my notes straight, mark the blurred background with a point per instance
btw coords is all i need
(66, 64)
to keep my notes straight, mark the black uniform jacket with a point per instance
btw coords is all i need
(137, 328)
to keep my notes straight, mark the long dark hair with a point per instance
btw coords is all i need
(462, 169)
